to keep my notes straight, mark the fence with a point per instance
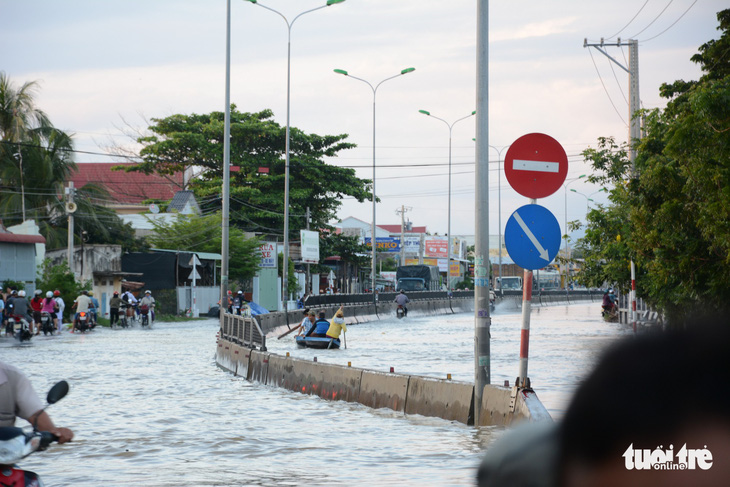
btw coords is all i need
(242, 330)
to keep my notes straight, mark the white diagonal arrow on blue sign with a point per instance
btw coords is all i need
(540, 249)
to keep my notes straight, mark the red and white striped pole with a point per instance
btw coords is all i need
(633, 295)
(525, 333)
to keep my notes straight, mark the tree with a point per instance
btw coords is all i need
(203, 234)
(35, 162)
(673, 217)
(181, 142)
(59, 277)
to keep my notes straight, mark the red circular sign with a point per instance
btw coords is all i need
(536, 165)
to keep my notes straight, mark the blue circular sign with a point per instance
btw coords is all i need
(532, 237)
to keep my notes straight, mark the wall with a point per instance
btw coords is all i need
(407, 394)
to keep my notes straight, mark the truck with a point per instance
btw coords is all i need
(417, 278)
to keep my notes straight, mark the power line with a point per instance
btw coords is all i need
(632, 19)
(655, 19)
(673, 23)
(604, 88)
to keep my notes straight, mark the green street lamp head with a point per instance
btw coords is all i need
(407, 70)
(424, 112)
(581, 176)
(332, 2)
(341, 71)
(252, 1)
(574, 191)
(474, 112)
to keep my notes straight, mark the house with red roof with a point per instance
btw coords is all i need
(127, 190)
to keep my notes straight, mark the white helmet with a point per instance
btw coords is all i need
(38, 292)
(49, 294)
(21, 293)
(148, 292)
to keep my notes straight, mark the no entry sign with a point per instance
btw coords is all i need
(536, 165)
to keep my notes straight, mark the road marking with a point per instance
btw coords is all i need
(539, 166)
(543, 253)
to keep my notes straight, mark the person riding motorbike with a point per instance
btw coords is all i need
(36, 304)
(82, 305)
(21, 307)
(50, 307)
(93, 309)
(401, 299)
(148, 301)
(609, 302)
(19, 399)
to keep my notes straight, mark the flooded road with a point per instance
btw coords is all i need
(151, 407)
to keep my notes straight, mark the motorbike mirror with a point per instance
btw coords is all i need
(57, 392)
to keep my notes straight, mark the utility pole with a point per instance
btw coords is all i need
(634, 125)
(402, 212)
(308, 284)
(482, 319)
(70, 209)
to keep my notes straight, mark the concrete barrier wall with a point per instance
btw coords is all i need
(442, 398)
(450, 400)
(328, 381)
(383, 390)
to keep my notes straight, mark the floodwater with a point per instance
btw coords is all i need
(150, 407)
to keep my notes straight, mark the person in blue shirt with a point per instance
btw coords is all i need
(320, 327)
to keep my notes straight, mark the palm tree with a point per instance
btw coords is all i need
(33, 154)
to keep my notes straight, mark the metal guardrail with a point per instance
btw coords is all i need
(243, 330)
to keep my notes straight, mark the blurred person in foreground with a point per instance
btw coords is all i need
(654, 411)
(19, 399)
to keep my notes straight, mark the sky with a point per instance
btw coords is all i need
(106, 68)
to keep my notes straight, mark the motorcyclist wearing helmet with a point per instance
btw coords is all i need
(21, 307)
(148, 301)
(50, 307)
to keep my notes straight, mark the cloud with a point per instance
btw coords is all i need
(534, 29)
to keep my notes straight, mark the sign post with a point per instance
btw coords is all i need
(536, 166)
(194, 262)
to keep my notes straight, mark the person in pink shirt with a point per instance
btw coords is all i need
(51, 307)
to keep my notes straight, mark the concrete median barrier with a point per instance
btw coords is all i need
(328, 381)
(441, 398)
(496, 406)
(383, 390)
(258, 366)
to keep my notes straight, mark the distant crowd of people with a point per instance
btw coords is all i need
(15, 303)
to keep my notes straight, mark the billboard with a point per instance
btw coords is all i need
(310, 246)
(436, 247)
(384, 244)
(268, 254)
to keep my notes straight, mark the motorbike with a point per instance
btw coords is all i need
(19, 327)
(144, 314)
(82, 322)
(47, 323)
(124, 322)
(610, 315)
(400, 311)
(16, 444)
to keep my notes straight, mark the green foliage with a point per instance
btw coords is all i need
(292, 285)
(203, 234)
(10, 284)
(674, 215)
(257, 203)
(59, 277)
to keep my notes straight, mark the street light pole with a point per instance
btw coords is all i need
(585, 196)
(567, 257)
(373, 240)
(448, 254)
(285, 264)
(499, 210)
